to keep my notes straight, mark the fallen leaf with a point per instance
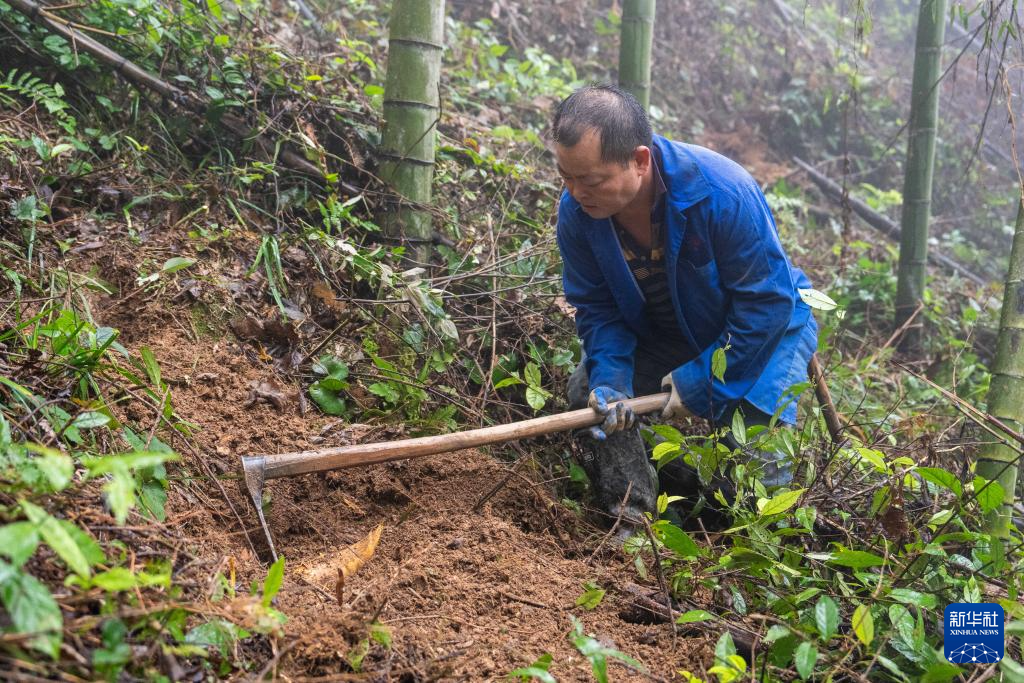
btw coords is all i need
(246, 328)
(266, 391)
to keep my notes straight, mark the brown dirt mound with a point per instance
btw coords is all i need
(466, 596)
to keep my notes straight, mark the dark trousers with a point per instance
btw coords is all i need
(622, 461)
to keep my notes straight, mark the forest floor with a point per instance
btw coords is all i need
(465, 594)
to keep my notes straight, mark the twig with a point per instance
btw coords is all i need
(660, 573)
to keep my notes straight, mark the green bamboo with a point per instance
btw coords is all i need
(635, 49)
(917, 185)
(411, 110)
(997, 461)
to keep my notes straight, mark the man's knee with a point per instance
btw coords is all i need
(577, 389)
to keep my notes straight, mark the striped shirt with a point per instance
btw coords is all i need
(648, 267)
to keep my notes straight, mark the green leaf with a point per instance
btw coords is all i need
(912, 597)
(941, 672)
(272, 584)
(857, 559)
(863, 624)
(805, 658)
(532, 374)
(19, 541)
(115, 580)
(120, 492)
(58, 538)
(941, 477)
(664, 450)
(332, 366)
(591, 596)
(675, 539)
(990, 494)
(739, 428)
(92, 551)
(507, 382)
(538, 670)
(152, 367)
(385, 391)
(534, 398)
(874, 457)
(1013, 672)
(328, 400)
(218, 633)
(153, 500)
(826, 616)
(781, 502)
(214, 7)
(31, 609)
(57, 467)
(371, 89)
(816, 299)
(91, 420)
(380, 634)
(694, 616)
(173, 265)
(718, 364)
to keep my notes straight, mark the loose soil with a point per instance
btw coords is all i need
(466, 595)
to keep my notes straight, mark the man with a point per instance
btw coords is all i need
(670, 252)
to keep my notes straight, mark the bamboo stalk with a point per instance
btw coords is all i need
(411, 110)
(997, 461)
(635, 48)
(917, 185)
(304, 462)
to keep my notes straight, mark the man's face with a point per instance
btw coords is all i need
(602, 188)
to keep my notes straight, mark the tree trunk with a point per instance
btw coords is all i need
(1006, 391)
(635, 49)
(411, 110)
(917, 185)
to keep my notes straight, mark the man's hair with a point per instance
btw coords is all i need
(619, 119)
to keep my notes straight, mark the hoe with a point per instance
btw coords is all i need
(257, 469)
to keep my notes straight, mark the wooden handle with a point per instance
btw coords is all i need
(303, 462)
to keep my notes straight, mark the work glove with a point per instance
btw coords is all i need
(617, 417)
(675, 408)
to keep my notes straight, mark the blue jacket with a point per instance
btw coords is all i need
(730, 280)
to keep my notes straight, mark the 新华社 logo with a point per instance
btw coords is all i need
(974, 632)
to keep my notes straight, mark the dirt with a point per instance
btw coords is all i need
(465, 595)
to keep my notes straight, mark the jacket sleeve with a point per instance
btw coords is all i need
(607, 340)
(756, 276)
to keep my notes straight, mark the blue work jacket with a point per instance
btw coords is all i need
(732, 287)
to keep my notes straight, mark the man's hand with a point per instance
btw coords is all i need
(675, 407)
(617, 417)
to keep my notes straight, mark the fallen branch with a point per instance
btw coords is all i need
(881, 223)
(142, 78)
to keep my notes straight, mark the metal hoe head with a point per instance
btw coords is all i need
(254, 469)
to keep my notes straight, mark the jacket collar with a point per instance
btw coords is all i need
(686, 184)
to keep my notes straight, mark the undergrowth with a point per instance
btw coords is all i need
(843, 576)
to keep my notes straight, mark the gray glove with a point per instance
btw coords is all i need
(618, 416)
